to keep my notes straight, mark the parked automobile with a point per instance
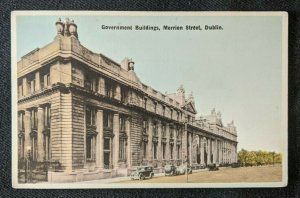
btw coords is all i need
(170, 170)
(235, 165)
(142, 172)
(181, 170)
(213, 167)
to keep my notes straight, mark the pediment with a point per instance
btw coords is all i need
(190, 107)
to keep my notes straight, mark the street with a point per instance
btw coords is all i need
(224, 175)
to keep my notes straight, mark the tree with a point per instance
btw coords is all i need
(258, 158)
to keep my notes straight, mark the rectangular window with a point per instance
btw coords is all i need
(34, 119)
(171, 150)
(47, 116)
(164, 110)
(88, 82)
(106, 143)
(145, 103)
(163, 130)
(171, 133)
(123, 94)
(155, 129)
(177, 133)
(122, 151)
(164, 151)
(90, 116)
(89, 147)
(155, 151)
(145, 126)
(21, 121)
(47, 80)
(155, 107)
(145, 150)
(108, 120)
(178, 153)
(122, 123)
(30, 86)
(20, 89)
(171, 112)
(110, 89)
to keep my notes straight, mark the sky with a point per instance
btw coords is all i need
(237, 70)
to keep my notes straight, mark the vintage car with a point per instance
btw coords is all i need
(170, 170)
(142, 172)
(213, 167)
(235, 165)
(181, 170)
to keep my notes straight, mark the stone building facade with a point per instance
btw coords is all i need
(99, 120)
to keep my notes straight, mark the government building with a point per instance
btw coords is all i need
(95, 117)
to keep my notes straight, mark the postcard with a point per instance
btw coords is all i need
(149, 99)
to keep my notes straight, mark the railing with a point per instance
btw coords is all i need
(31, 171)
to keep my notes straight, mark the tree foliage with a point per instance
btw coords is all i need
(258, 158)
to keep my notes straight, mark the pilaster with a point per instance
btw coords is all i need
(101, 86)
(202, 151)
(128, 147)
(24, 84)
(27, 127)
(37, 81)
(150, 143)
(99, 143)
(159, 143)
(209, 151)
(40, 136)
(116, 131)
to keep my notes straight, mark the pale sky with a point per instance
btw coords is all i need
(237, 70)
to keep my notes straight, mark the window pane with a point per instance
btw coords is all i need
(107, 144)
(88, 148)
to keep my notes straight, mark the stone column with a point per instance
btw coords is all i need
(184, 144)
(175, 144)
(215, 151)
(235, 151)
(24, 84)
(100, 140)
(37, 81)
(209, 152)
(220, 151)
(27, 128)
(128, 142)
(190, 149)
(150, 142)
(159, 146)
(167, 142)
(116, 145)
(225, 152)
(202, 151)
(40, 135)
(45, 81)
(101, 86)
